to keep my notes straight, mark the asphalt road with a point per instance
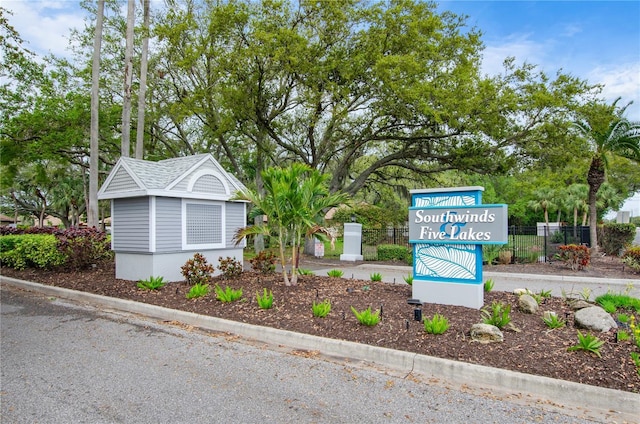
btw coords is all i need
(63, 362)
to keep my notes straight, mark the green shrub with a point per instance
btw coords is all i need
(587, 342)
(197, 270)
(490, 253)
(393, 252)
(198, 290)
(266, 300)
(303, 271)
(552, 321)
(230, 267)
(613, 238)
(499, 315)
(152, 283)
(631, 258)
(367, 317)
(227, 295)
(488, 285)
(408, 279)
(321, 309)
(437, 325)
(336, 273)
(618, 301)
(32, 250)
(376, 276)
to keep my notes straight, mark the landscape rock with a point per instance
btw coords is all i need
(527, 304)
(594, 318)
(580, 304)
(486, 333)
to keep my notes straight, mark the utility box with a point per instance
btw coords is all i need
(164, 212)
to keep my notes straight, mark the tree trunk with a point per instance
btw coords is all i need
(595, 178)
(92, 210)
(143, 83)
(128, 77)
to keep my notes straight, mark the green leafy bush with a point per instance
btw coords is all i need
(618, 301)
(490, 253)
(576, 256)
(552, 321)
(198, 290)
(230, 267)
(197, 270)
(152, 283)
(408, 279)
(367, 317)
(321, 309)
(499, 315)
(266, 300)
(336, 273)
(32, 250)
(263, 262)
(393, 252)
(437, 325)
(376, 276)
(613, 238)
(589, 343)
(631, 258)
(488, 285)
(227, 295)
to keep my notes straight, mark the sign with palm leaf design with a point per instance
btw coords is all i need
(447, 228)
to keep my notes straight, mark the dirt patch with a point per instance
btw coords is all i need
(529, 345)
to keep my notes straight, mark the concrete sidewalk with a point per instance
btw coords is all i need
(559, 285)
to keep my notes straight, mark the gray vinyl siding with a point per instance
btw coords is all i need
(122, 181)
(209, 184)
(131, 224)
(235, 218)
(168, 224)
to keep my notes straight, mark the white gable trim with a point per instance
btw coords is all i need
(201, 173)
(112, 175)
(198, 164)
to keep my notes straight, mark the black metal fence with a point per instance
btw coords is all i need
(526, 243)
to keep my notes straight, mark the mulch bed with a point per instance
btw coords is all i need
(529, 347)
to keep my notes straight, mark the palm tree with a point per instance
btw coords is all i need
(544, 200)
(576, 201)
(611, 136)
(294, 198)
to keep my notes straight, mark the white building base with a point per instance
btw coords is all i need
(141, 266)
(459, 294)
(351, 257)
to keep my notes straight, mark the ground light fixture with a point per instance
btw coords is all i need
(417, 310)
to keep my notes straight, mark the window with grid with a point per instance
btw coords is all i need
(203, 225)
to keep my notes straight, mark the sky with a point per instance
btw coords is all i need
(594, 40)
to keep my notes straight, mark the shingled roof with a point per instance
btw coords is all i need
(173, 177)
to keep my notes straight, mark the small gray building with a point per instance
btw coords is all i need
(163, 212)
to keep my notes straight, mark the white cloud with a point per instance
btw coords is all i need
(519, 46)
(45, 25)
(620, 80)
